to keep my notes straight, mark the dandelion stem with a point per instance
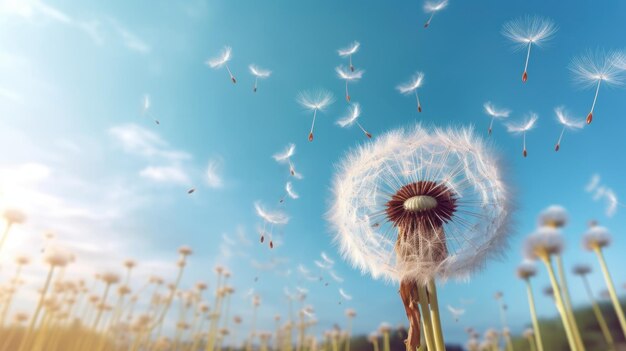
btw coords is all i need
(26, 338)
(386, 345)
(435, 316)
(567, 301)
(419, 104)
(598, 313)
(427, 324)
(611, 288)
(5, 233)
(531, 341)
(533, 315)
(559, 302)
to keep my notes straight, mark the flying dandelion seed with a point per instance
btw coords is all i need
(336, 277)
(433, 7)
(322, 265)
(285, 157)
(594, 68)
(222, 61)
(567, 123)
(349, 51)
(495, 113)
(527, 31)
(326, 258)
(344, 295)
(593, 183)
(258, 73)
(442, 205)
(271, 218)
(523, 128)
(191, 191)
(456, 312)
(146, 104)
(348, 76)
(354, 112)
(289, 192)
(412, 86)
(315, 101)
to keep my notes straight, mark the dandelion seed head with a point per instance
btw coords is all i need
(528, 333)
(22, 260)
(527, 124)
(435, 6)
(354, 111)
(57, 256)
(14, 216)
(496, 112)
(219, 61)
(315, 100)
(350, 49)
(110, 277)
(346, 73)
(596, 66)
(553, 216)
(409, 87)
(526, 30)
(565, 120)
(259, 72)
(544, 242)
(451, 205)
(597, 237)
(526, 269)
(185, 250)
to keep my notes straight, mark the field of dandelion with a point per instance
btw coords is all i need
(211, 175)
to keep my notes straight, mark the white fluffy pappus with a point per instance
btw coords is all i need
(527, 124)
(286, 154)
(544, 242)
(272, 217)
(433, 7)
(495, 113)
(326, 258)
(526, 269)
(258, 73)
(315, 101)
(554, 216)
(349, 75)
(596, 237)
(412, 86)
(345, 295)
(290, 192)
(455, 159)
(351, 118)
(222, 61)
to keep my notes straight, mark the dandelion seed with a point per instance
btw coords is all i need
(523, 128)
(593, 183)
(495, 113)
(349, 51)
(315, 101)
(567, 123)
(354, 111)
(289, 192)
(326, 258)
(442, 206)
(348, 76)
(594, 68)
(336, 277)
(456, 312)
(322, 265)
(273, 218)
(222, 61)
(146, 104)
(433, 7)
(412, 87)
(258, 73)
(344, 295)
(191, 191)
(527, 31)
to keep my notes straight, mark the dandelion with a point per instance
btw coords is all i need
(349, 76)
(495, 113)
(385, 329)
(354, 112)
(527, 31)
(529, 335)
(258, 73)
(442, 193)
(456, 312)
(11, 217)
(289, 192)
(596, 239)
(525, 271)
(373, 339)
(582, 271)
(349, 51)
(273, 218)
(554, 216)
(433, 7)
(567, 123)
(350, 314)
(412, 86)
(523, 128)
(543, 244)
(222, 61)
(146, 104)
(315, 101)
(594, 68)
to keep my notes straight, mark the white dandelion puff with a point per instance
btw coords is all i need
(433, 7)
(349, 51)
(522, 128)
(146, 105)
(348, 75)
(527, 31)
(596, 237)
(544, 242)
(354, 112)
(326, 258)
(345, 295)
(567, 122)
(553, 216)
(412, 86)
(456, 312)
(222, 61)
(495, 113)
(258, 73)
(315, 101)
(593, 68)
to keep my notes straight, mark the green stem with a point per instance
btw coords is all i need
(598, 313)
(533, 315)
(567, 302)
(611, 288)
(435, 316)
(33, 321)
(427, 325)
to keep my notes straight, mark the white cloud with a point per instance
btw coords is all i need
(130, 40)
(143, 142)
(168, 174)
(213, 174)
(11, 95)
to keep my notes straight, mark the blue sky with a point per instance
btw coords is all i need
(77, 154)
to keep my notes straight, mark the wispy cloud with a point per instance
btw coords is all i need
(140, 141)
(11, 95)
(129, 39)
(167, 174)
(213, 174)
